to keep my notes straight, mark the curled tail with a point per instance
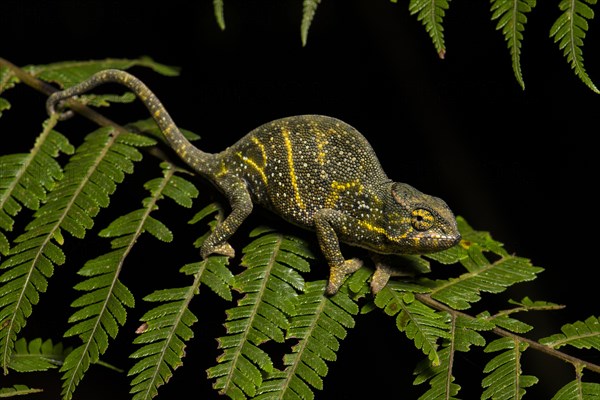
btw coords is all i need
(189, 153)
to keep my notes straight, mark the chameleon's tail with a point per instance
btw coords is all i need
(193, 156)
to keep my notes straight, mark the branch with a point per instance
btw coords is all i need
(426, 299)
(75, 105)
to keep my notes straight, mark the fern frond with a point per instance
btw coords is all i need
(440, 378)
(17, 390)
(512, 19)
(102, 309)
(37, 355)
(569, 32)
(90, 179)
(269, 284)
(463, 334)
(26, 178)
(7, 81)
(319, 325)
(581, 334)
(309, 8)
(506, 379)
(431, 14)
(482, 275)
(219, 15)
(577, 390)
(166, 329)
(419, 322)
(69, 73)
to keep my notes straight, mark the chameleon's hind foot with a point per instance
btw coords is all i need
(224, 249)
(338, 273)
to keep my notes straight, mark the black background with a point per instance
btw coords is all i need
(520, 164)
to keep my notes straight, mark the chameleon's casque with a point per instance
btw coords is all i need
(314, 171)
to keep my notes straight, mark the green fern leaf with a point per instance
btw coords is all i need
(502, 320)
(90, 178)
(581, 334)
(431, 14)
(102, 309)
(37, 355)
(219, 15)
(506, 379)
(166, 329)
(440, 377)
(69, 73)
(420, 323)
(26, 178)
(100, 313)
(7, 81)
(482, 275)
(309, 8)
(319, 325)
(463, 334)
(569, 32)
(269, 284)
(577, 390)
(4, 105)
(512, 19)
(17, 390)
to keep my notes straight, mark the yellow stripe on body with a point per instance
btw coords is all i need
(337, 188)
(260, 169)
(290, 159)
(373, 228)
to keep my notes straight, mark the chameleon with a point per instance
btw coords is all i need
(314, 171)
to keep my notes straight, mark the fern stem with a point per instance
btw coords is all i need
(428, 300)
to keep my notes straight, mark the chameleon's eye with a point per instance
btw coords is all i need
(421, 219)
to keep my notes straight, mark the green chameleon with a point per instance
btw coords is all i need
(314, 171)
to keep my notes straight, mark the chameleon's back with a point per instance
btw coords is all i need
(298, 165)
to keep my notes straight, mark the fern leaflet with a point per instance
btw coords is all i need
(319, 325)
(570, 29)
(482, 275)
(463, 334)
(26, 178)
(37, 355)
(269, 284)
(420, 323)
(309, 8)
(167, 327)
(506, 379)
(431, 14)
(512, 19)
(90, 178)
(69, 73)
(219, 15)
(581, 334)
(102, 308)
(17, 390)
(577, 390)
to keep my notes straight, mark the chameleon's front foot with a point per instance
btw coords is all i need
(337, 274)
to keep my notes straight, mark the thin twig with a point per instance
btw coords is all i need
(77, 107)
(426, 299)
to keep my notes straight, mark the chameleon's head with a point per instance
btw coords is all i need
(418, 223)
